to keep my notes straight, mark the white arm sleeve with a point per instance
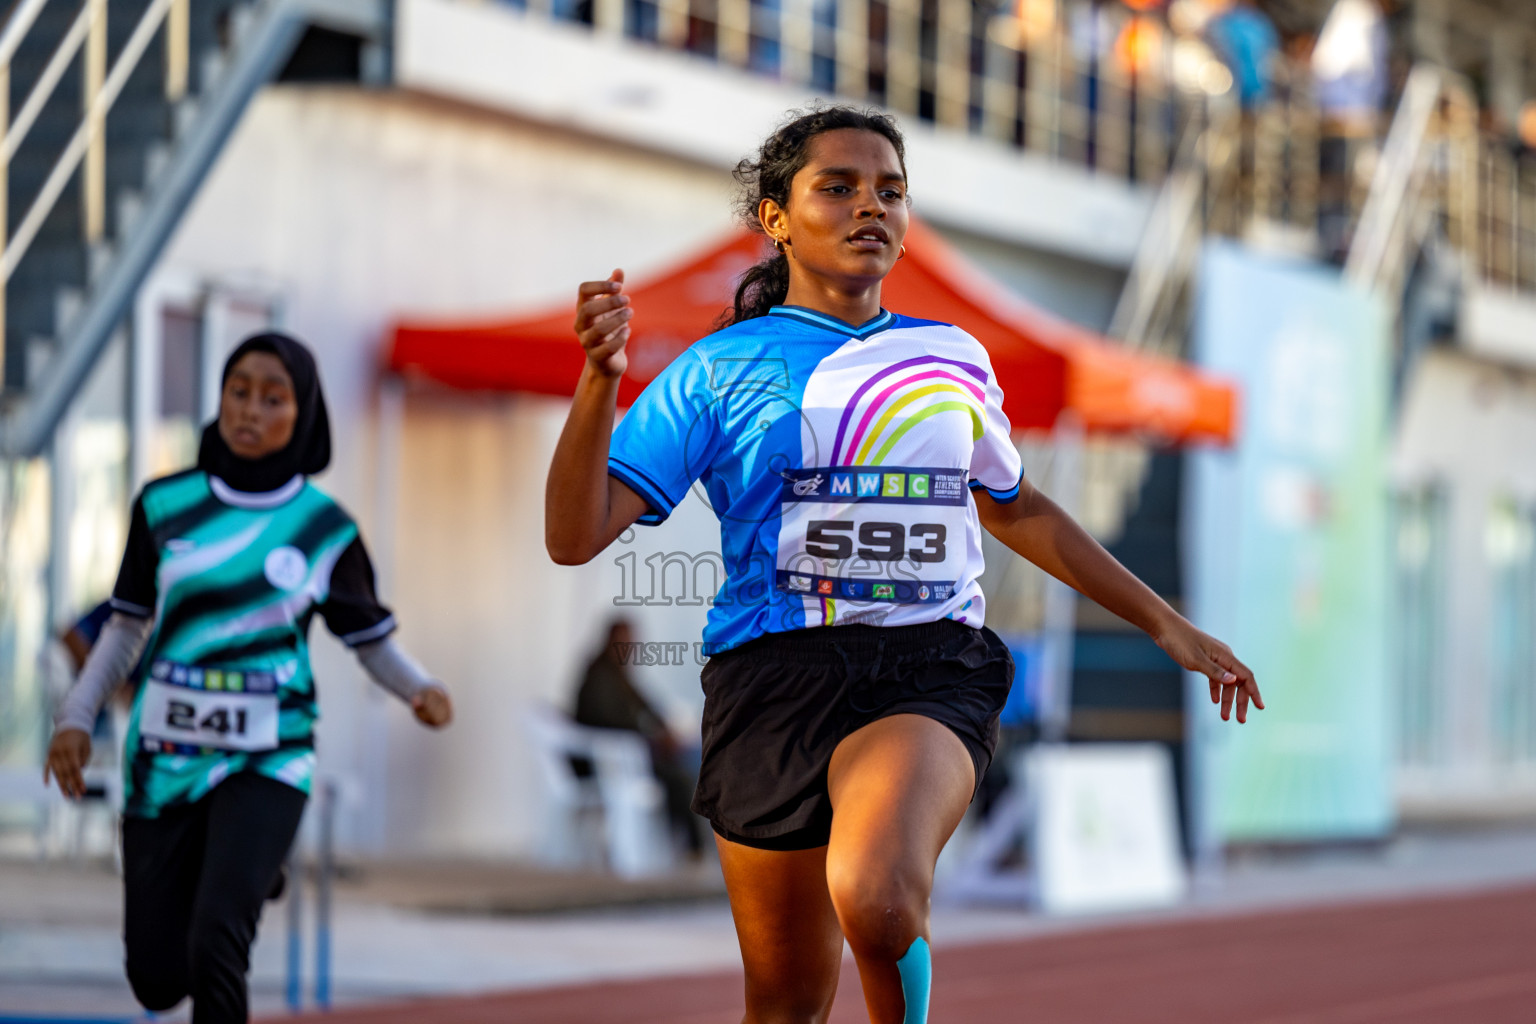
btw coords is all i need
(112, 657)
(388, 665)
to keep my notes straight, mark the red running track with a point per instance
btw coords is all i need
(1440, 960)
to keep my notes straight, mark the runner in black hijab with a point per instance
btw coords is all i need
(307, 453)
(224, 568)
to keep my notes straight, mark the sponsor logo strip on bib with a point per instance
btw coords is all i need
(901, 591)
(895, 486)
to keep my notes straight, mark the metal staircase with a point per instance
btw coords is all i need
(113, 114)
(1399, 208)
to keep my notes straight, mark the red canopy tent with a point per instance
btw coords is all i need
(1045, 365)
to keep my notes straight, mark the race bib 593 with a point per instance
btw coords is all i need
(882, 533)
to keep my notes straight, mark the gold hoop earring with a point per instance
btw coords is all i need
(902, 254)
(778, 243)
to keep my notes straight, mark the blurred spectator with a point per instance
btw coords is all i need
(608, 699)
(1299, 47)
(1350, 66)
(1246, 41)
(1350, 69)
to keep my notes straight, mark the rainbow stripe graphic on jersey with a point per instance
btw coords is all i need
(950, 392)
(841, 461)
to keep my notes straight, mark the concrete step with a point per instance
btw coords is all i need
(211, 66)
(39, 353)
(241, 17)
(67, 304)
(184, 116)
(98, 258)
(157, 157)
(130, 207)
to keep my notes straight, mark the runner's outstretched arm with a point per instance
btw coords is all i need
(1037, 528)
(112, 657)
(585, 509)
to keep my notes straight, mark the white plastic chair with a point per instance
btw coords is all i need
(622, 797)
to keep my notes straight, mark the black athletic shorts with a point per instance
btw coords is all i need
(776, 708)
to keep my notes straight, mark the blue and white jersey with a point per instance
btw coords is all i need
(840, 462)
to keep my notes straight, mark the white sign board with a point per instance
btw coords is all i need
(1106, 827)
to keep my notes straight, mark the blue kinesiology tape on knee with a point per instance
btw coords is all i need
(916, 970)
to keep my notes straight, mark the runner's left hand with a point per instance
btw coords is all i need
(433, 707)
(1231, 680)
(68, 754)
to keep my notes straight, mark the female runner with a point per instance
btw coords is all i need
(853, 456)
(225, 566)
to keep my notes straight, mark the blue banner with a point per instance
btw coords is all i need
(1287, 554)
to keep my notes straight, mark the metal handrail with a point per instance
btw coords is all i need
(1387, 210)
(17, 28)
(1174, 214)
(85, 135)
(87, 32)
(1165, 257)
(989, 64)
(1024, 82)
(42, 90)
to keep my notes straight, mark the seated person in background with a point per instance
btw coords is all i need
(608, 699)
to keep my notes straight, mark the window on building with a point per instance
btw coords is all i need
(176, 430)
(1510, 544)
(1419, 526)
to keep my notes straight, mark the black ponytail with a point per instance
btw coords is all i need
(762, 287)
(781, 157)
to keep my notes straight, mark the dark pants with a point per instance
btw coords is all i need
(194, 882)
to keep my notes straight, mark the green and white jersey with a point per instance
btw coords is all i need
(232, 580)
